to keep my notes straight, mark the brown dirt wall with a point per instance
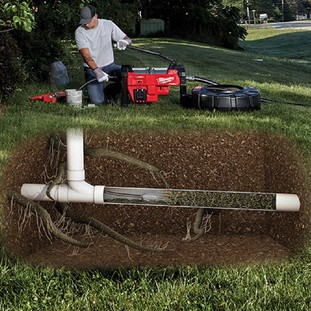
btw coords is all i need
(217, 160)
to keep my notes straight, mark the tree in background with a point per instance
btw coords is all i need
(41, 47)
(295, 7)
(277, 10)
(240, 4)
(202, 20)
(307, 6)
(123, 13)
(14, 16)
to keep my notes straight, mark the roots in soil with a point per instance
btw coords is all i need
(57, 152)
(46, 218)
(201, 225)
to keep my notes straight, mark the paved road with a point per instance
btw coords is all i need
(305, 25)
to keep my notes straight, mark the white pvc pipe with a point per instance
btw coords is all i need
(63, 193)
(78, 190)
(75, 155)
(287, 202)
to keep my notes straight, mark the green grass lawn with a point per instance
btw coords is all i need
(276, 62)
(293, 44)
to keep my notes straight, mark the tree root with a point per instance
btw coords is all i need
(68, 211)
(76, 217)
(198, 226)
(57, 145)
(104, 152)
(46, 218)
(57, 180)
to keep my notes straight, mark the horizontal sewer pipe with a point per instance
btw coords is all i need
(78, 190)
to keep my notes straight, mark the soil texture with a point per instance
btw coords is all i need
(215, 160)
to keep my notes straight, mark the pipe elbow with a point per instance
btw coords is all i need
(64, 193)
(95, 194)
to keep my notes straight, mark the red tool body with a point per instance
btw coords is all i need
(145, 85)
(50, 97)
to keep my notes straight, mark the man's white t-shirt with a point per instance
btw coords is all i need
(99, 41)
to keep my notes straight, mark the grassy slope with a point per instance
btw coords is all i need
(283, 76)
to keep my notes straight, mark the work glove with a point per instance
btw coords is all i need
(122, 44)
(101, 76)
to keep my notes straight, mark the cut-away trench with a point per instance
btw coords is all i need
(223, 160)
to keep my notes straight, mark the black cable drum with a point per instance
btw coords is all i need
(226, 98)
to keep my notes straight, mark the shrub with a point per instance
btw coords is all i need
(43, 45)
(12, 70)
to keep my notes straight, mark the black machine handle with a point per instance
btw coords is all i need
(131, 47)
(173, 61)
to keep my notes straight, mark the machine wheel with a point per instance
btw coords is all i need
(226, 98)
(124, 94)
(125, 100)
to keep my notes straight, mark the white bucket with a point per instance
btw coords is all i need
(74, 98)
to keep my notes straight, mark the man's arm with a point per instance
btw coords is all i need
(100, 75)
(85, 52)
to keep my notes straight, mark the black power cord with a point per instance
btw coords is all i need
(269, 100)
